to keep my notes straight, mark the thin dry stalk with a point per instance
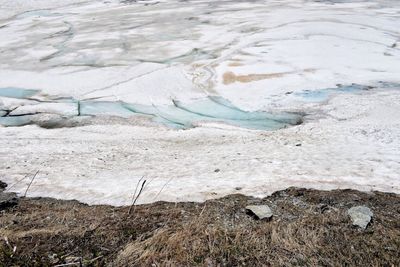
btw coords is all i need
(137, 186)
(33, 178)
(69, 264)
(138, 195)
(11, 186)
(162, 188)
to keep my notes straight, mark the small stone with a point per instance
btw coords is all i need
(217, 170)
(360, 216)
(262, 212)
(3, 185)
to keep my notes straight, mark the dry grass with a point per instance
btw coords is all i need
(309, 228)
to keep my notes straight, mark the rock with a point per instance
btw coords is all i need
(262, 212)
(3, 185)
(8, 200)
(360, 216)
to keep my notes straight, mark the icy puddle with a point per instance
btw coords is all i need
(178, 115)
(19, 93)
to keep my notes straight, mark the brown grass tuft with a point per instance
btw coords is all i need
(309, 228)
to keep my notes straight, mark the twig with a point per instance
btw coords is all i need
(141, 189)
(147, 183)
(68, 264)
(14, 184)
(162, 188)
(137, 186)
(11, 186)
(134, 201)
(33, 178)
(13, 248)
(95, 259)
(202, 210)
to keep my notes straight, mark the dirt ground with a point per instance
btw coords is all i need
(309, 228)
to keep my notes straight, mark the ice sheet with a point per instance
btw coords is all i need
(223, 67)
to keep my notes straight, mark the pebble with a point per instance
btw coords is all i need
(360, 216)
(262, 212)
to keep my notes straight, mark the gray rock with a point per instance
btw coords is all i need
(8, 200)
(360, 216)
(3, 185)
(262, 212)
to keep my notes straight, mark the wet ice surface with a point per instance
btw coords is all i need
(324, 94)
(177, 115)
(13, 92)
(203, 66)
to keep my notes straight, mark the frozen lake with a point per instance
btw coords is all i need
(268, 93)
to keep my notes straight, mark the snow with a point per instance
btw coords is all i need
(355, 145)
(338, 62)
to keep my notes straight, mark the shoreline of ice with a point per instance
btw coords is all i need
(275, 56)
(349, 142)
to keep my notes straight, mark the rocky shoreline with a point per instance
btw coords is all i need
(304, 228)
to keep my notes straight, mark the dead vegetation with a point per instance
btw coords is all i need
(309, 228)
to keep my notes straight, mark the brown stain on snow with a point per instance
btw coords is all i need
(235, 64)
(230, 77)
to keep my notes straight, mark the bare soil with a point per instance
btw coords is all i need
(309, 228)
